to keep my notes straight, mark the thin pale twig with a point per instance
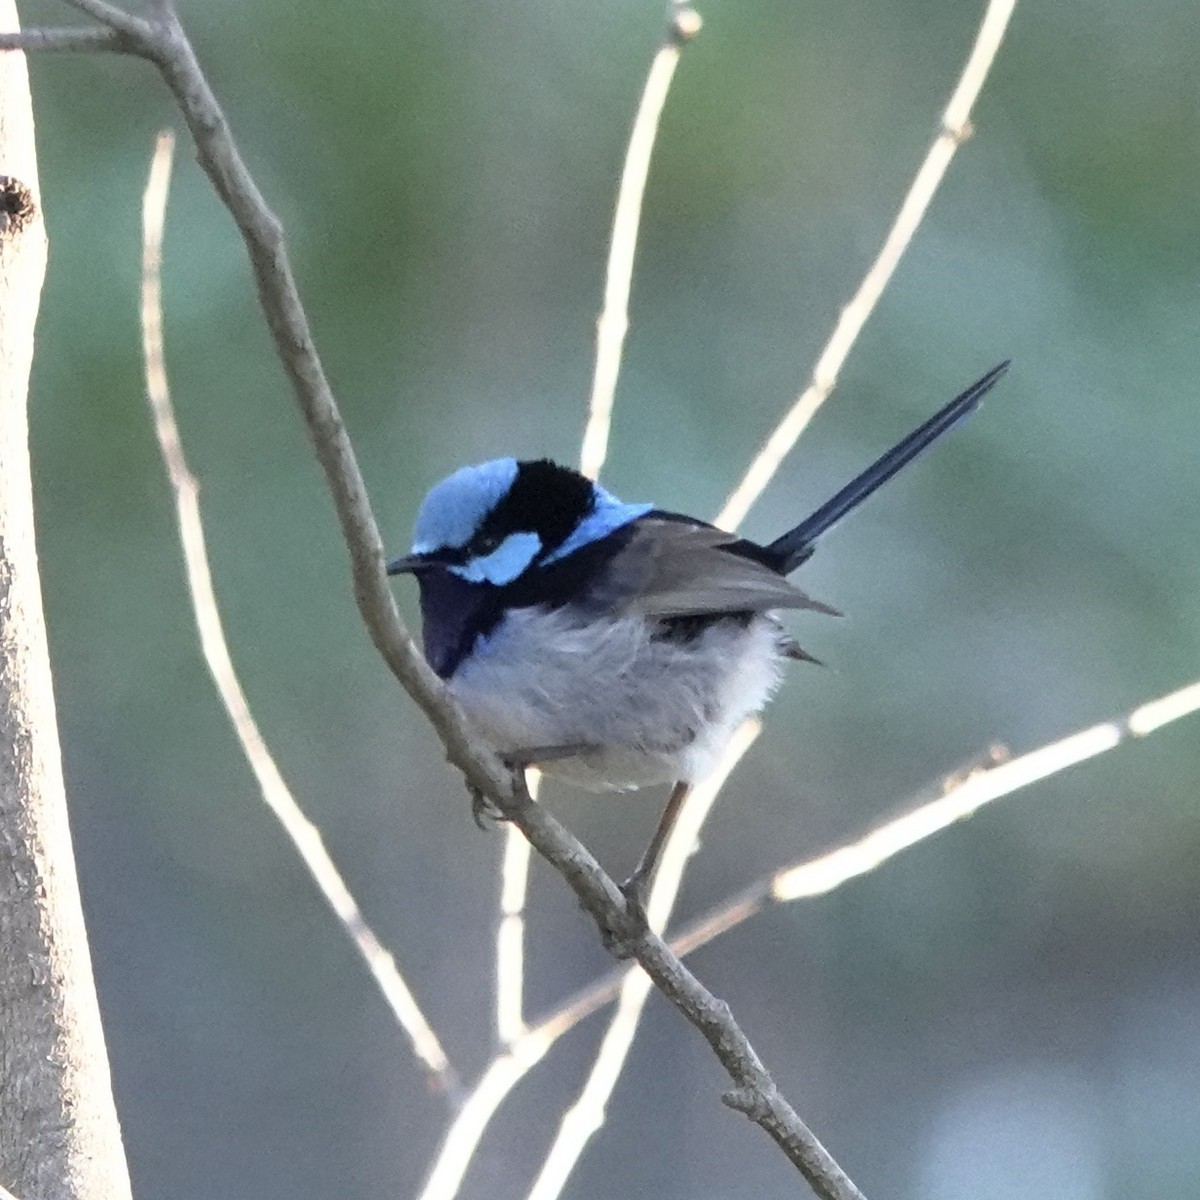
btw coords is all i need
(586, 1116)
(683, 23)
(955, 128)
(754, 1092)
(166, 45)
(463, 1135)
(510, 931)
(961, 796)
(304, 835)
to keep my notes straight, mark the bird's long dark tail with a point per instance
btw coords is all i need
(795, 546)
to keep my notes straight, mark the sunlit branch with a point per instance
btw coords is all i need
(754, 1093)
(586, 1115)
(462, 1138)
(683, 23)
(305, 836)
(959, 797)
(510, 930)
(955, 129)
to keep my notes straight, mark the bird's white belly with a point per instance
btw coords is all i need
(657, 710)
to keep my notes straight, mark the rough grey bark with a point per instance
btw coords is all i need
(59, 1138)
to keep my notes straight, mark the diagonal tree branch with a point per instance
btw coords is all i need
(303, 834)
(754, 1092)
(958, 797)
(955, 129)
(586, 1116)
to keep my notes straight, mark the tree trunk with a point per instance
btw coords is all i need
(59, 1138)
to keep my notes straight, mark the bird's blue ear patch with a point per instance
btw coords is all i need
(607, 515)
(455, 508)
(504, 563)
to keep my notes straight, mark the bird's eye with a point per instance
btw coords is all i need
(487, 543)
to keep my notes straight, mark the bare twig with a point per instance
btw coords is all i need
(510, 932)
(585, 1117)
(304, 835)
(166, 45)
(955, 129)
(683, 23)
(959, 797)
(754, 1090)
(463, 1135)
(522, 1053)
(112, 16)
(84, 38)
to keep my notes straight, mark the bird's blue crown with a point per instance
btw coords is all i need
(491, 522)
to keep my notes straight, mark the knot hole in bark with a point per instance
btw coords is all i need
(16, 206)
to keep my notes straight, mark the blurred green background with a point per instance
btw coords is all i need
(1011, 1010)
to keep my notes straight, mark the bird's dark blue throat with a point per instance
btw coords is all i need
(456, 613)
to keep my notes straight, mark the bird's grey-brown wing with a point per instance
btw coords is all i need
(672, 568)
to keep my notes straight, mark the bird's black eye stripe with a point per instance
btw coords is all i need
(452, 557)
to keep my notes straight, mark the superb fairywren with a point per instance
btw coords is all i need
(615, 645)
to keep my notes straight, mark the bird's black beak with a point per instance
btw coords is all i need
(409, 564)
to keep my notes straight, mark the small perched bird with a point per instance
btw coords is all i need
(614, 645)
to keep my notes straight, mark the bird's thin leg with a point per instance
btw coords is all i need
(534, 756)
(483, 810)
(637, 886)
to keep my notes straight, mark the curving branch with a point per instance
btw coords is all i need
(954, 799)
(955, 129)
(161, 40)
(582, 1121)
(959, 796)
(683, 23)
(303, 834)
(586, 1116)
